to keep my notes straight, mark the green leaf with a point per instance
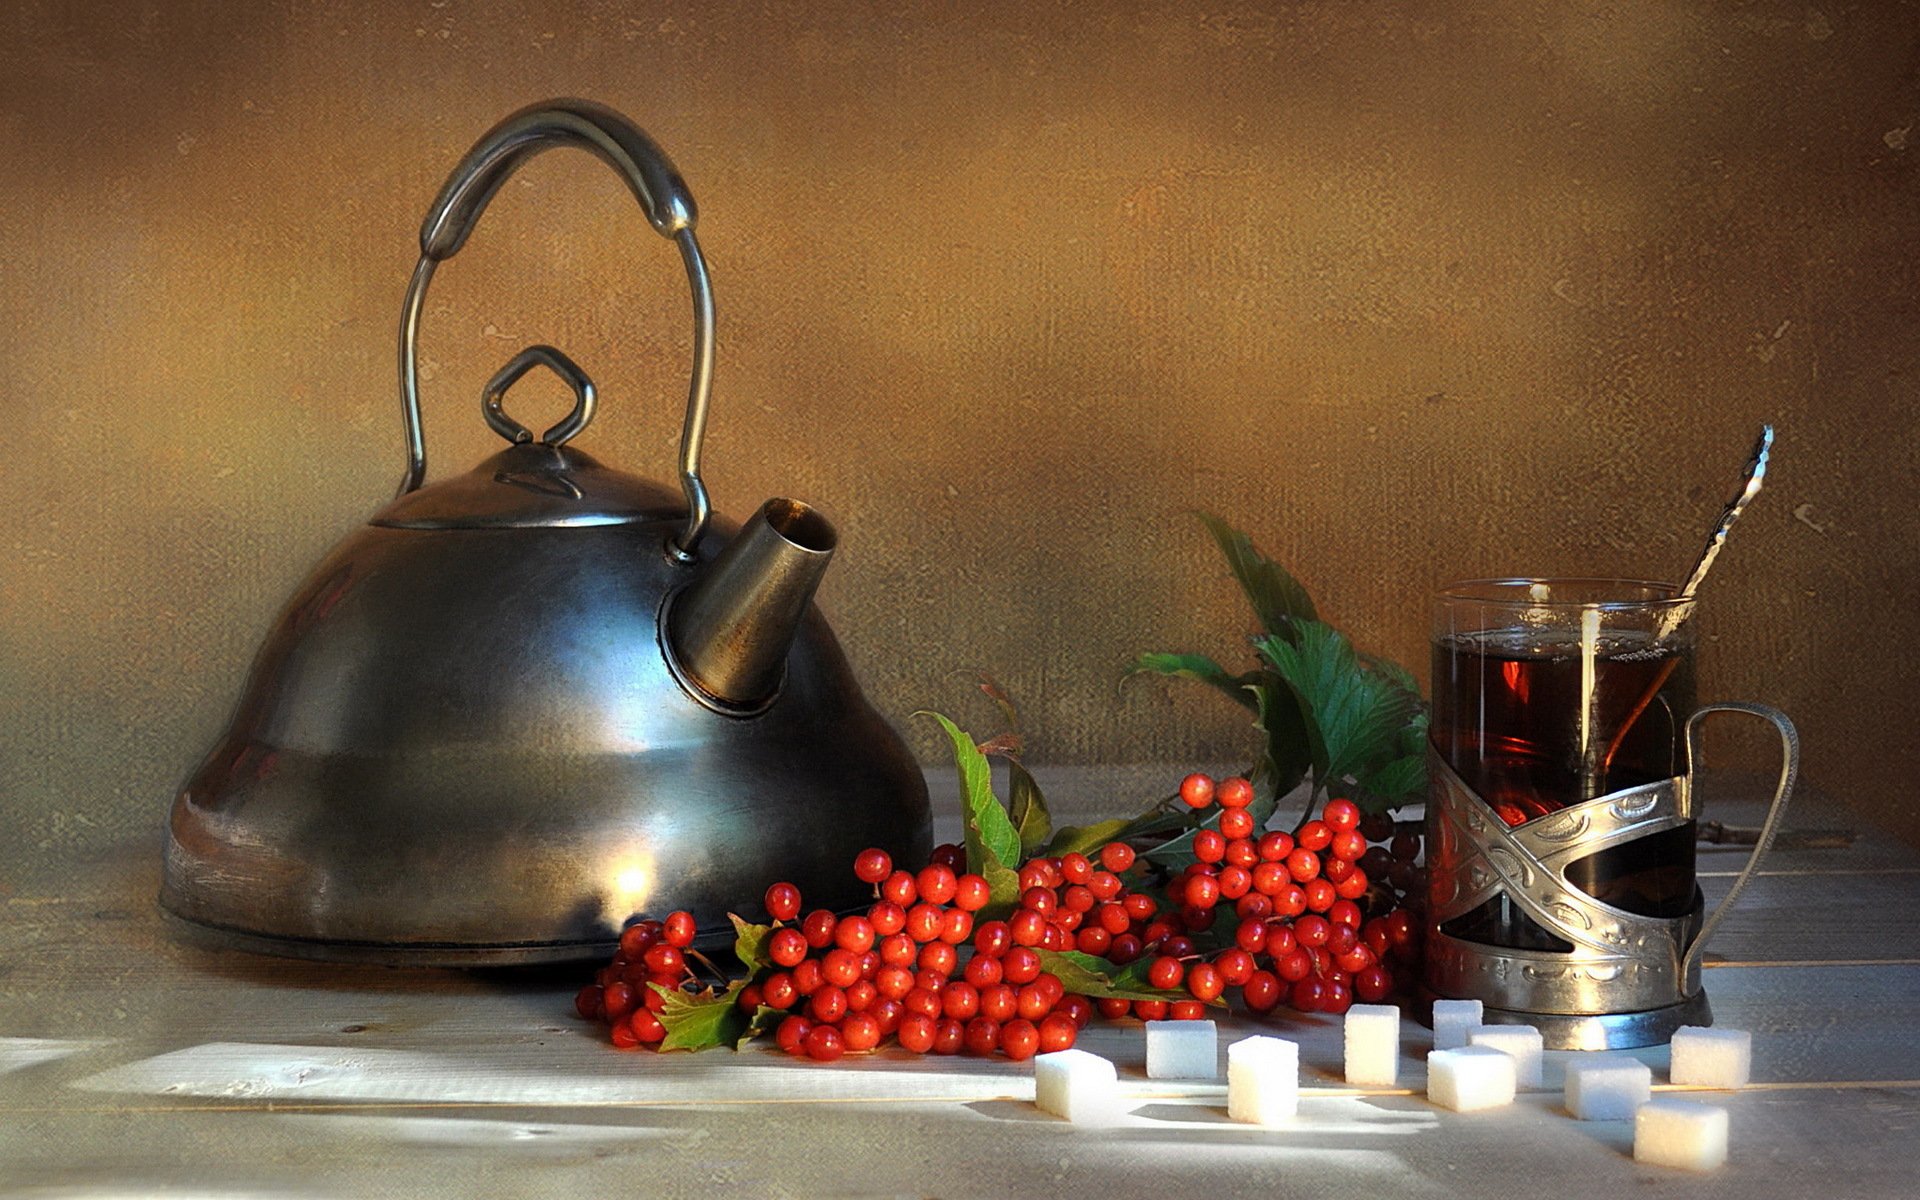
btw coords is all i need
(750, 944)
(1398, 675)
(1197, 667)
(1027, 809)
(1086, 975)
(993, 844)
(1277, 597)
(765, 1020)
(1354, 716)
(1082, 839)
(1287, 751)
(1393, 783)
(703, 1021)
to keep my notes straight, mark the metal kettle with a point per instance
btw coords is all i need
(526, 705)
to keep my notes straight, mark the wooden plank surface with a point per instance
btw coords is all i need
(133, 1064)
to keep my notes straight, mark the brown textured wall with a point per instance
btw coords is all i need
(1411, 292)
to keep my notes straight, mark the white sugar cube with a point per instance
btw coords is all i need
(1607, 1087)
(1470, 1078)
(1183, 1050)
(1373, 1045)
(1452, 1019)
(1263, 1080)
(1680, 1133)
(1077, 1085)
(1521, 1041)
(1712, 1058)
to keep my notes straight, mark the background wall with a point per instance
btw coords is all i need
(1411, 293)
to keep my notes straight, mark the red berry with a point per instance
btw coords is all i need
(860, 1031)
(646, 1027)
(1125, 949)
(893, 982)
(839, 967)
(786, 947)
(1291, 899)
(678, 929)
(778, 991)
(818, 928)
(1150, 1010)
(1251, 936)
(824, 1043)
(936, 883)
(1274, 846)
(854, 934)
(1113, 918)
(623, 1037)
(1186, 1010)
(783, 902)
(1204, 981)
(899, 950)
(1261, 992)
(960, 1000)
(665, 960)
(924, 922)
(1310, 994)
(1315, 836)
(1166, 973)
(1348, 844)
(1113, 1009)
(981, 1036)
(1253, 906)
(872, 865)
(993, 938)
(1320, 895)
(900, 888)
(1057, 1032)
(1377, 827)
(1019, 965)
(999, 1002)
(1372, 984)
(1236, 823)
(616, 1001)
(956, 926)
(1094, 940)
(916, 1032)
(635, 939)
(1234, 793)
(1076, 868)
(971, 893)
(1209, 846)
(1243, 852)
(1236, 966)
(888, 1013)
(948, 1036)
(939, 957)
(1104, 885)
(1405, 847)
(1344, 912)
(1341, 814)
(887, 918)
(1303, 864)
(1029, 928)
(1293, 966)
(792, 1034)
(827, 1004)
(806, 976)
(1116, 856)
(1312, 931)
(1197, 790)
(587, 1002)
(1203, 892)
(1235, 882)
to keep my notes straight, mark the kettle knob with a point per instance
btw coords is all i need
(669, 207)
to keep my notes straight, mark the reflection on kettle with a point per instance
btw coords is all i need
(527, 704)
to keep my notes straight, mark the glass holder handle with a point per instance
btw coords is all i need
(1783, 790)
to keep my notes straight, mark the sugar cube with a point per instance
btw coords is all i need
(1078, 1085)
(1680, 1133)
(1713, 1058)
(1521, 1041)
(1607, 1087)
(1452, 1019)
(1470, 1078)
(1373, 1045)
(1182, 1050)
(1263, 1080)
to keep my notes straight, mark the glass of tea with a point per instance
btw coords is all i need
(1548, 693)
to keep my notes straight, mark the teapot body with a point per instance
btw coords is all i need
(466, 746)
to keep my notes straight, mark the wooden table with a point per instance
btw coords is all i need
(133, 1065)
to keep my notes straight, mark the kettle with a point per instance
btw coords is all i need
(525, 706)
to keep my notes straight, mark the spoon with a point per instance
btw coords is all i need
(1756, 472)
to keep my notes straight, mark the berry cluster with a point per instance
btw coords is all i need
(651, 952)
(1310, 929)
(849, 983)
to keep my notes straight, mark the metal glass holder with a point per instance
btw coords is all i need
(1629, 980)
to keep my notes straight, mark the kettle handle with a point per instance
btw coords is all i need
(670, 210)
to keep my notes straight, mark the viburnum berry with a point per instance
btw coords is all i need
(956, 926)
(887, 918)
(1312, 931)
(1116, 856)
(1304, 864)
(623, 1036)
(663, 959)
(939, 957)
(1186, 1010)
(1112, 1008)
(854, 934)
(872, 865)
(1233, 793)
(971, 893)
(949, 855)
(948, 1036)
(1209, 846)
(1000, 1002)
(587, 1002)
(1150, 1010)
(1019, 965)
(960, 999)
(1105, 885)
(1166, 973)
(1056, 1032)
(839, 967)
(936, 883)
(827, 1004)
(1204, 981)
(1126, 948)
(1236, 966)
(1348, 844)
(1341, 814)
(860, 1031)
(782, 902)
(1236, 823)
(1315, 835)
(1076, 867)
(900, 888)
(806, 976)
(818, 928)
(1320, 895)
(792, 1033)
(992, 938)
(786, 947)
(824, 1043)
(916, 1032)
(1197, 790)
(924, 922)
(981, 1036)
(1094, 940)
(1261, 992)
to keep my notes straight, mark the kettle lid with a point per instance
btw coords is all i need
(531, 484)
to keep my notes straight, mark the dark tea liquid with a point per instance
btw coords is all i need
(1534, 726)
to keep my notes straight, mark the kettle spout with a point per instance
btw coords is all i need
(728, 634)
